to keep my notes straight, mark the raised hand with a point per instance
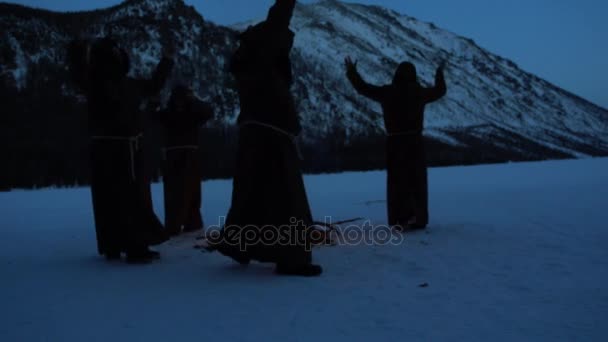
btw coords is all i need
(442, 65)
(351, 68)
(350, 65)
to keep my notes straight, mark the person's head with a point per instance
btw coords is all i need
(97, 63)
(107, 60)
(76, 58)
(180, 96)
(405, 74)
(280, 13)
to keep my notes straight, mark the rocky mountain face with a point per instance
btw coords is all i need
(494, 111)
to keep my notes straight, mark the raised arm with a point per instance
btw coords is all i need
(283, 63)
(153, 86)
(439, 90)
(368, 90)
(279, 15)
(202, 112)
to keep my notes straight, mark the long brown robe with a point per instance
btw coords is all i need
(182, 167)
(268, 192)
(124, 217)
(403, 104)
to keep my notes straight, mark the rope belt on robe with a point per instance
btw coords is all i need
(291, 136)
(176, 148)
(134, 145)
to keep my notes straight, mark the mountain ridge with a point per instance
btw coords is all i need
(494, 110)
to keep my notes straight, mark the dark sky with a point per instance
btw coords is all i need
(563, 41)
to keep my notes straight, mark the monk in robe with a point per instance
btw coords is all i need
(269, 209)
(124, 219)
(403, 103)
(182, 120)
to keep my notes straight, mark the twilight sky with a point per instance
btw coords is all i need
(562, 41)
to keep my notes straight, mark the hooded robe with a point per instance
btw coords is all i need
(403, 103)
(122, 206)
(269, 213)
(182, 120)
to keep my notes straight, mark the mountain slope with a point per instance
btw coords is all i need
(493, 112)
(487, 93)
(143, 28)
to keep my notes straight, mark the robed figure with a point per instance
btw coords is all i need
(269, 214)
(124, 218)
(182, 121)
(403, 103)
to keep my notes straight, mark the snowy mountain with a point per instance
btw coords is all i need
(493, 112)
(34, 37)
(489, 97)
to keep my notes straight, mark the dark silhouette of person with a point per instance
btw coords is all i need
(124, 218)
(182, 119)
(268, 189)
(403, 104)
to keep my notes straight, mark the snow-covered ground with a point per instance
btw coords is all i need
(514, 253)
